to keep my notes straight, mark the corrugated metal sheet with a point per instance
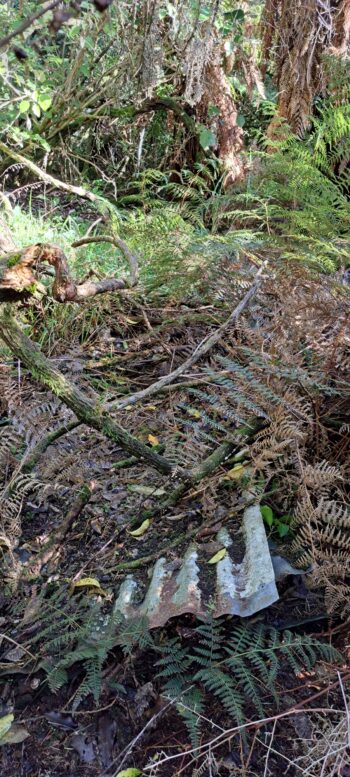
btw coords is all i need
(233, 588)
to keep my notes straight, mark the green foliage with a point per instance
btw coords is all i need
(67, 631)
(330, 134)
(234, 665)
(302, 212)
(280, 525)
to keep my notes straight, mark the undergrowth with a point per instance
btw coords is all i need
(218, 670)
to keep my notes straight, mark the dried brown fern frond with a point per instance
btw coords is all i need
(323, 541)
(12, 497)
(10, 440)
(321, 476)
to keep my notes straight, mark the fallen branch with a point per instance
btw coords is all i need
(50, 179)
(54, 543)
(18, 281)
(30, 460)
(202, 349)
(118, 243)
(89, 412)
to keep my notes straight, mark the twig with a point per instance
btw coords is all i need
(56, 182)
(27, 22)
(55, 541)
(129, 748)
(219, 740)
(201, 349)
(269, 747)
(30, 460)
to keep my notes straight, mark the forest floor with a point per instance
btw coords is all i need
(136, 344)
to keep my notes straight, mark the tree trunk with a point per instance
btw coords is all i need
(299, 33)
(217, 93)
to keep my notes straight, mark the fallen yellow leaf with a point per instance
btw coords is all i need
(5, 724)
(194, 413)
(142, 529)
(89, 582)
(235, 473)
(153, 439)
(218, 556)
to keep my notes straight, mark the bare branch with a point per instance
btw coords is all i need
(27, 22)
(67, 187)
(118, 243)
(200, 351)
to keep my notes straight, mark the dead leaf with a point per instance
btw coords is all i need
(91, 583)
(5, 724)
(146, 490)
(84, 748)
(14, 735)
(15, 654)
(235, 473)
(194, 413)
(141, 529)
(218, 556)
(61, 720)
(107, 728)
(153, 440)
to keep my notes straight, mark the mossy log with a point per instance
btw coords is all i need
(88, 411)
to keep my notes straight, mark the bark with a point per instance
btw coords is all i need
(341, 36)
(217, 92)
(299, 34)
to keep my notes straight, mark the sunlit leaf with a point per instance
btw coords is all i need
(235, 473)
(24, 106)
(91, 583)
(45, 103)
(267, 514)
